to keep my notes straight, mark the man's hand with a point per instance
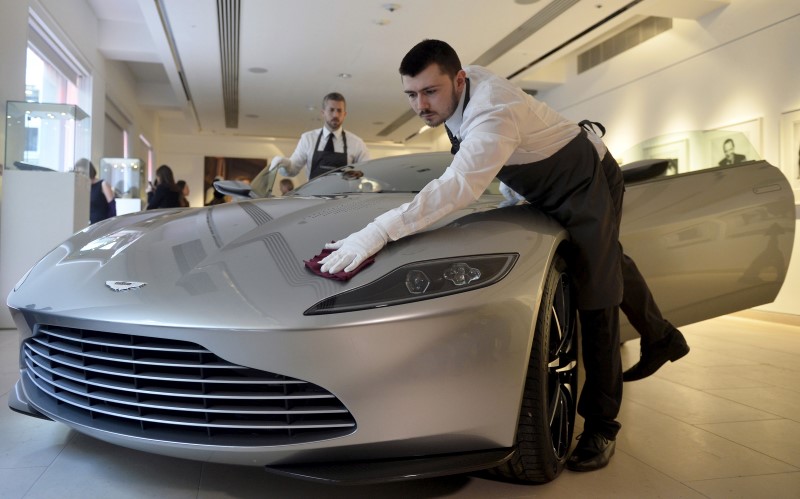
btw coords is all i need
(280, 162)
(354, 249)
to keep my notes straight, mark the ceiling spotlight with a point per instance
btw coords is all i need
(345, 75)
(381, 22)
(257, 70)
(525, 2)
(391, 7)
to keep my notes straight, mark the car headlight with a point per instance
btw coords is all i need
(421, 281)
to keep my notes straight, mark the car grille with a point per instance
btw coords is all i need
(174, 390)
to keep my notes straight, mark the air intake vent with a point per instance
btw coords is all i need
(623, 41)
(228, 17)
(173, 391)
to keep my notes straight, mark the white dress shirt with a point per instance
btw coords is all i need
(301, 157)
(501, 125)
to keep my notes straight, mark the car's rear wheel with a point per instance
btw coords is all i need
(547, 416)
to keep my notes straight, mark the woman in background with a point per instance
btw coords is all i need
(183, 193)
(100, 198)
(164, 193)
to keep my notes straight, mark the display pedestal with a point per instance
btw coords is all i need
(125, 206)
(40, 211)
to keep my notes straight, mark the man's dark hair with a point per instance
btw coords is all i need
(428, 52)
(333, 96)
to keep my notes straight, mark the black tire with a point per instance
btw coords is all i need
(547, 415)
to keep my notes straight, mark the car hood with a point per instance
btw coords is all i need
(242, 263)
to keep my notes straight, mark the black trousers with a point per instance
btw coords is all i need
(638, 303)
(571, 186)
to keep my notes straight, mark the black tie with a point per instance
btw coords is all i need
(454, 142)
(329, 144)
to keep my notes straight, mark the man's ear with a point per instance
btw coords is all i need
(461, 78)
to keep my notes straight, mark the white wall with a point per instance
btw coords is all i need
(734, 65)
(13, 44)
(75, 22)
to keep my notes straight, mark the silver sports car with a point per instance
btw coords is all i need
(199, 333)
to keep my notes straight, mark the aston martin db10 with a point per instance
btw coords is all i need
(198, 333)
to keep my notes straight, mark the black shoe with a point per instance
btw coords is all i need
(592, 452)
(671, 348)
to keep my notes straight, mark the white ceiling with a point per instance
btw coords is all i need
(304, 45)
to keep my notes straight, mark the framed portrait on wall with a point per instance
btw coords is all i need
(223, 168)
(677, 152)
(734, 143)
(790, 147)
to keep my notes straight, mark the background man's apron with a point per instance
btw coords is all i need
(325, 161)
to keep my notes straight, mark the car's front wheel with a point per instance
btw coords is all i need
(547, 415)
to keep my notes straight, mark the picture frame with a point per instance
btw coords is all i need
(225, 168)
(677, 152)
(734, 143)
(790, 147)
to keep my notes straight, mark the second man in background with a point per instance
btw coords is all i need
(325, 149)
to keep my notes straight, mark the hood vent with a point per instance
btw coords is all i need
(228, 18)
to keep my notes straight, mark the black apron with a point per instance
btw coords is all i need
(571, 187)
(325, 161)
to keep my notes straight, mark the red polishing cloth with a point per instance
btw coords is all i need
(314, 266)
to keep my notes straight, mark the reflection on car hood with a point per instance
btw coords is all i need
(243, 259)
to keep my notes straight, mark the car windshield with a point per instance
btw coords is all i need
(406, 173)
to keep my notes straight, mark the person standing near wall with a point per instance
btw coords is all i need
(101, 196)
(325, 149)
(163, 193)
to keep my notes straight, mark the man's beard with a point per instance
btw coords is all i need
(452, 109)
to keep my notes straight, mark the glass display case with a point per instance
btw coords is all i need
(126, 176)
(46, 137)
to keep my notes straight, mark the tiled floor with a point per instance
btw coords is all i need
(724, 422)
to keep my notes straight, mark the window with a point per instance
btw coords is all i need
(45, 83)
(57, 131)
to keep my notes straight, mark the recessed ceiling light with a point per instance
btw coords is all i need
(381, 22)
(345, 75)
(391, 7)
(258, 70)
(525, 2)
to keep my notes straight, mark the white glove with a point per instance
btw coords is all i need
(354, 249)
(282, 163)
(511, 196)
